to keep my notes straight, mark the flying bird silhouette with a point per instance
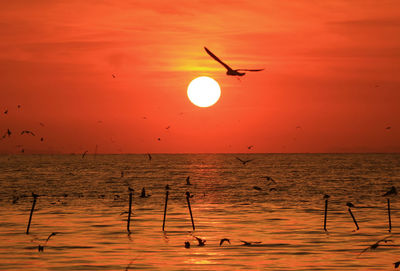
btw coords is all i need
(27, 132)
(231, 71)
(245, 243)
(268, 178)
(244, 162)
(5, 112)
(377, 244)
(257, 188)
(392, 191)
(224, 240)
(202, 242)
(396, 264)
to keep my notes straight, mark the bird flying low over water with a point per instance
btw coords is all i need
(245, 243)
(244, 162)
(392, 191)
(231, 71)
(202, 242)
(396, 264)
(224, 240)
(377, 244)
(84, 154)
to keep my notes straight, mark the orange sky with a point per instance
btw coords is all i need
(332, 68)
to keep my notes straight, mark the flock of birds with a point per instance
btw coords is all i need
(8, 133)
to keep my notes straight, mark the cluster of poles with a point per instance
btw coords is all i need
(393, 191)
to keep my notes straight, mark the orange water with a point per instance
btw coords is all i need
(83, 199)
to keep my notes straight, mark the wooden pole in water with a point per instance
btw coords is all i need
(390, 220)
(129, 212)
(33, 208)
(190, 209)
(354, 219)
(165, 206)
(326, 211)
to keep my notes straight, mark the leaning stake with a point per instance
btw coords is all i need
(190, 209)
(166, 203)
(33, 208)
(349, 204)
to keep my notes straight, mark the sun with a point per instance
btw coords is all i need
(203, 91)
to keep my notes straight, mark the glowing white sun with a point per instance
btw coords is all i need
(203, 91)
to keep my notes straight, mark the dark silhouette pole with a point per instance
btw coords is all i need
(130, 210)
(33, 208)
(326, 197)
(354, 219)
(390, 220)
(165, 206)
(190, 209)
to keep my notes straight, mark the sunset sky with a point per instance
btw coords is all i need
(331, 81)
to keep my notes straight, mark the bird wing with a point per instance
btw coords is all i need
(217, 59)
(250, 70)
(239, 159)
(248, 160)
(52, 234)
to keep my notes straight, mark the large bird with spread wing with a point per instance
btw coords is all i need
(231, 71)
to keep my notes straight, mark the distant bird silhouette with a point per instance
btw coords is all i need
(41, 124)
(298, 127)
(245, 243)
(7, 134)
(377, 244)
(388, 128)
(113, 75)
(41, 247)
(391, 192)
(159, 139)
(187, 244)
(202, 242)
(272, 189)
(268, 178)
(396, 264)
(257, 188)
(5, 112)
(224, 240)
(188, 180)
(84, 154)
(231, 71)
(27, 132)
(244, 162)
(41, 139)
(250, 147)
(19, 106)
(167, 128)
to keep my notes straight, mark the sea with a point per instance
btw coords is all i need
(274, 223)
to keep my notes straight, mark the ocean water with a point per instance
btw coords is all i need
(84, 200)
